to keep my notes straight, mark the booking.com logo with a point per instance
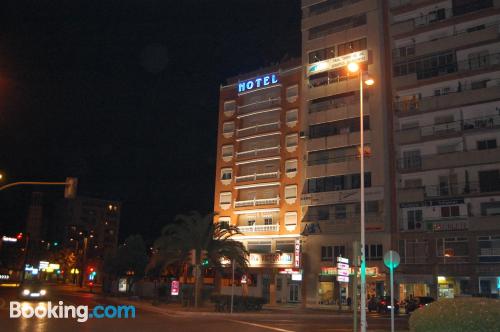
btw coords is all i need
(82, 312)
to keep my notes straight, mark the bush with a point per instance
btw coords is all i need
(457, 315)
(240, 303)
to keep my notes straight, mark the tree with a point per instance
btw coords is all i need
(130, 259)
(66, 259)
(201, 234)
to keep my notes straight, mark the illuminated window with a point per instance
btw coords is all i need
(290, 221)
(226, 175)
(292, 93)
(225, 200)
(228, 129)
(291, 142)
(227, 152)
(292, 116)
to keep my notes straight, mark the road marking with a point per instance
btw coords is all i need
(260, 325)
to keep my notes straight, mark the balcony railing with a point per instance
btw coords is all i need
(460, 189)
(259, 105)
(259, 228)
(257, 202)
(449, 128)
(258, 152)
(257, 129)
(257, 176)
(439, 224)
(462, 94)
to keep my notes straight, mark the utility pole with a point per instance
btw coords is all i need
(355, 286)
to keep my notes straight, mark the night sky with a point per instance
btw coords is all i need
(124, 96)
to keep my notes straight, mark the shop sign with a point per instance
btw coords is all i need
(338, 62)
(333, 271)
(343, 269)
(9, 239)
(122, 285)
(342, 279)
(257, 83)
(4, 277)
(277, 259)
(174, 288)
(289, 271)
(296, 262)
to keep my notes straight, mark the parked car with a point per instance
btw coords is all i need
(384, 305)
(418, 302)
(33, 289)
(373, 304)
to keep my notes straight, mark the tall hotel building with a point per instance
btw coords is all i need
(335, 33)
(258, 177)
(446, 88)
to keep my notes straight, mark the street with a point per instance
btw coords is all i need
(150, 318)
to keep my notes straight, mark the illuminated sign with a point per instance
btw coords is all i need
(43, 265)
(54, 266)
(4, 277)
(343, 269)
(277, 259)
(9, 239)
(296, 261)
(257, 83)
(122, 285)
(297, 277)
(342, 279)
(333, 271)
(174, 288)
(338, 62)
(289, 271)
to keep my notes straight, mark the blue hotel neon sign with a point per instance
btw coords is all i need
(258, 82)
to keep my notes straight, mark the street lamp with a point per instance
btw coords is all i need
(354, 67)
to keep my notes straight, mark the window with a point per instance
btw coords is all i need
(412, 159)
(490, 208)
(225, 221)
(225, 199)
(462, 7)
(291, 167)
(340, 211)
(321, 213)
(447, 148)
(337, 155)
(429, 66)
(450, 211)
(268, 220)
(227, 152)
(489, 249)
(291, 194)
(292, 116)
(291, 142)
(335, 101)
(228, 129)
(413, 183)
(337, 26)
(452, 247)
(322, 54)
(335, 183)
(414, 251)
(489, 180)
(338, 127)
(414, 219)
(285, 245)
(262, 247)
(487, 144)
(373, 252)
(330, 253)
(229, 107)
(226, 174)
(351, 47)
(290, 221)
(292, 93)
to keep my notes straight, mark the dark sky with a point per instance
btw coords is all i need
(123, 94)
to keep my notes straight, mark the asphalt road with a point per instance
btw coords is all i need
(155, 319)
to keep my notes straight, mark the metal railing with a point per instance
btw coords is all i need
(438, 224)
(260, 128)
(460, 189)
(259, 105)
(257, 202)
(257, 176)
(259, 228)
(258, 152)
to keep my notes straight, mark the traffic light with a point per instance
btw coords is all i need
(55, 244)
(19, 236)
(70, 188)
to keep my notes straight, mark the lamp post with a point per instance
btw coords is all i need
(354, 68)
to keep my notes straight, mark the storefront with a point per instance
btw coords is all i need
(411, 285)
(489, 286)
(450, 287)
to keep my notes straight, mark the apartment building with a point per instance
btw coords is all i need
(258, 176)
(335, 33)
(446, 89)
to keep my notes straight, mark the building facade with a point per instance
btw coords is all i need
(446, 89)
(335, 33)
(258, 174)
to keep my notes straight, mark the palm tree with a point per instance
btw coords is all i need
(200, 234)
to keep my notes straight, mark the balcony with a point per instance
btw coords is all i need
(467, 67)
(440, 224)
(259, 228)
(257, 176)
(259, 106)
(449, 129)
(258, 152)
(257, 202)
(449, 160)
(326, 86)
(491, 91)
(257, 129)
